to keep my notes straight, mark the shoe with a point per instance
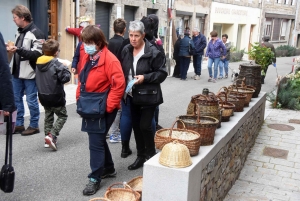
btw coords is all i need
(226, 76)
(214, 80)
(115, 138)
(194, 76)
(158, 127)
(30, 131)
(92, 187)
(46, 145)
(139, 162)
(108, 173)
(19, 129)
(107, 135)
(51, 141)
(220, 78)
(210, 79)
(197, 77)
(126, 151)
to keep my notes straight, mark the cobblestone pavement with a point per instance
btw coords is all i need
(267, 178)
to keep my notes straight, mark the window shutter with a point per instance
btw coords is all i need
(276, 29)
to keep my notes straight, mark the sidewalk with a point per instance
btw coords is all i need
(272, 174)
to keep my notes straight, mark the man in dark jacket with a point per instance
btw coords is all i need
(28, 47)
(200, 44)
(267, 44)
(7, 102)
(176, 72)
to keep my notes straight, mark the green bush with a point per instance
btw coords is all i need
(291, 51)
(236, 55)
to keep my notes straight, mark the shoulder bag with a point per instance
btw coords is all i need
(7, 174)
(147, 94)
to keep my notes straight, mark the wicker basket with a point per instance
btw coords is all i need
(205, 126)
(189, 138)
(252, 73)
(239, 107)
(100, 199)
(175, 155)
(227, 109)
(122, 194)
(246, 91)
(136, 184)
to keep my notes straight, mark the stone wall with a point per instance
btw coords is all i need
(223, 170)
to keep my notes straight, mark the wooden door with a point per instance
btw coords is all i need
(52, 19)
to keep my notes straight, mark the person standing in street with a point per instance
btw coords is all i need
(144, 65)
(176, 72)
(114, 45)
(216, 50)
(7, 102)
(223, 64)
(28, 47)
(200, 44)
(51, 75)
(102, 72)
(267, 44)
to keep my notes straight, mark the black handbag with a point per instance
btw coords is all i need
(7, 174)
(91, 104)
(147, 94)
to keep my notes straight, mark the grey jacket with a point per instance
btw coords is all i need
(228, 46)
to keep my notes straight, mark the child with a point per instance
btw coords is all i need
(51, 75)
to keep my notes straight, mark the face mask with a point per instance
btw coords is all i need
(90, 49)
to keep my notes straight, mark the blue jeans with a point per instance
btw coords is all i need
(126, 120)
(22, 86)
(184, 66)
(100, 156)
(216, 63)
(223, 64)
(197, 59)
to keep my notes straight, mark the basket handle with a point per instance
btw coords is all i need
(225, 90)
(125, 185)
(171, 130)
(243, 82)
(233, 86)
(222, 100)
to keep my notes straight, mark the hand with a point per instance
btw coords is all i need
(67, 27)
(11, 49)
(139, 79)
(223, 57)
(74, 70)
(6, 113)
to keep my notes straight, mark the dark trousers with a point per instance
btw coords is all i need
(100, 156)
(197, 59)
(142, 118)
(184, 66)
(177, 68)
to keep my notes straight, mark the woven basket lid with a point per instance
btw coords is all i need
(175, 155)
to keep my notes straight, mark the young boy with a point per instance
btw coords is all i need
(51, 75)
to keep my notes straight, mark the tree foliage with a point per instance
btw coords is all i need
(262, 55)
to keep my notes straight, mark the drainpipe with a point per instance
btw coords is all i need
(77, 16)
(170, 5)
(295, 26)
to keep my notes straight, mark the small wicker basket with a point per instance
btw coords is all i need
(175, 155)
(184, 136)
(100, 199)
(136, 184)
(122, 194)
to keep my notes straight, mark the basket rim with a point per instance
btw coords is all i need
(209, 117)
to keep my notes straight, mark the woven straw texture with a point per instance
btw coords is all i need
(136, 184)
(252, 73)
(122, 194)
(175, 155)
(100, 199)
(184, 136)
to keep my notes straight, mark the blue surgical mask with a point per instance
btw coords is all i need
(90, 49)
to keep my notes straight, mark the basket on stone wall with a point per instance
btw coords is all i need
(239, 107)
(126, 193)
(245, 91)
(204, 125)
(189, 138)
(224, 96)
(227, 109)
(136, 184)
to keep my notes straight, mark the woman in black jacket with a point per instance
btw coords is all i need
(176, 72)
(7, 101)
(142, 62)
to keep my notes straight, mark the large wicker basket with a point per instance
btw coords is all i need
(205, 126)
(227, 109)
(252, 73)
(246, 91)
(189, 138)
(136, 184)
(122, 194)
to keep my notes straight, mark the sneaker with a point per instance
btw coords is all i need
(19, 129)
(46, 145)
(210, 79)
(214, 80)
(220, 78)
(226, 76)
(197, 77)
(51, 141)
(108, 173)
(115, 138)
(30, 131)
(92, 187)
(194, 76)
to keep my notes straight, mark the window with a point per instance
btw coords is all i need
(283, 29)
(268, 29)
(276, 28)
(52, 19)
(286, 2)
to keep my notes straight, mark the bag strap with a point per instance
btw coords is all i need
(8, 149)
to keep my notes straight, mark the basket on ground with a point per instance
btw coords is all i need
(175, 155)
(122, 194)
(136, 184)
(189, 138)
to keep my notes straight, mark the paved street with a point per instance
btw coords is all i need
(42, 174)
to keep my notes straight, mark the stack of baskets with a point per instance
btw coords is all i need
(189, 138)
(120, 194)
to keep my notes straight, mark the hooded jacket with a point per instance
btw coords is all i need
(51, 75)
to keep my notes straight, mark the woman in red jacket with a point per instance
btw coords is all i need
(102, 71)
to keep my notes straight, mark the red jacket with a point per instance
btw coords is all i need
(107, 73)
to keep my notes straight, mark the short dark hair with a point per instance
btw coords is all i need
(50, 47)
(266, 38)
(119, 25)
(22, 11)
(93, 34)
(214, 33)
(225, 35)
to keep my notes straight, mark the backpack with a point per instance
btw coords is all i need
(192, 49)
